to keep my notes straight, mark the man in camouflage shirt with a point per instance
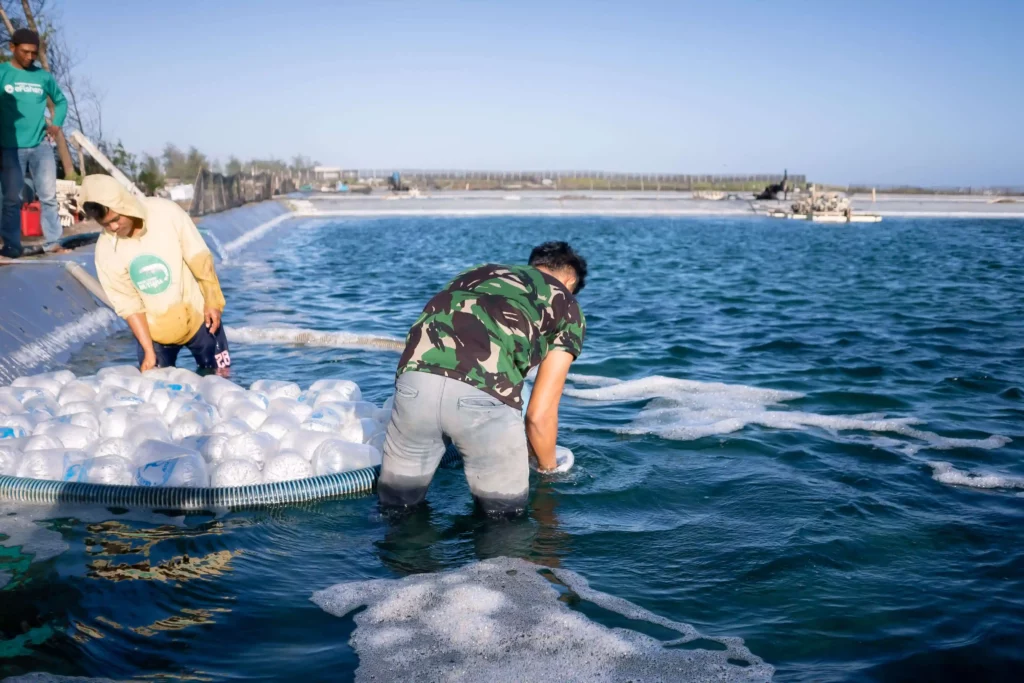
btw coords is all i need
(461, 379)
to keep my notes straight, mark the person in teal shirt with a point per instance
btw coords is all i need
(24, 88)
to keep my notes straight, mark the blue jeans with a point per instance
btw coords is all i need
(39, 161)
(209, 350)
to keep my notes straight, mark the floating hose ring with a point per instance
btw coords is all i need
(341, 485)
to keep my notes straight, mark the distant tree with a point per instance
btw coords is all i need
(216, 166)
(174, 163)
(122, 158)
(234, 165)
(195, 162)
(301, 163)
(266, 165)
(150, 176)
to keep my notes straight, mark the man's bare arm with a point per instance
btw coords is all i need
(140, 328)
(542, 413)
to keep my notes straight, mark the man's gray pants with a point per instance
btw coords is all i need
(488, 433)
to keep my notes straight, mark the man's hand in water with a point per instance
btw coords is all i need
(212, 316)
(535, 462)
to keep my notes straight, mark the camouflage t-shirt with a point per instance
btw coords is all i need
(491, 325)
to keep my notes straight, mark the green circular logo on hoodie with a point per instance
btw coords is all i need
(150, 274)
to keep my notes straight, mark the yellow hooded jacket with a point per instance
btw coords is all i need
(164, 269)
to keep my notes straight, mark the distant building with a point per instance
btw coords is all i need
(327, 173)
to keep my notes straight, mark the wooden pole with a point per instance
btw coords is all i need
(81, 161)
(7, 22)
(32, 25)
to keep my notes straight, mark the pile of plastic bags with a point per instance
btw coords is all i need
(171, 427)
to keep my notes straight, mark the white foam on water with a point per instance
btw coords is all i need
(304, 337)
(685, 410)
(63, 337)
(500, 620)
(656, 386)
(217, 245)
(946, 473)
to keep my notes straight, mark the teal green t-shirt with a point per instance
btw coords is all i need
(22, 104)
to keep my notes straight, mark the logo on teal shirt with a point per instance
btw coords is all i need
(150, 274)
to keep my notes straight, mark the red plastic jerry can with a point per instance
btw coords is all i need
(31, 226)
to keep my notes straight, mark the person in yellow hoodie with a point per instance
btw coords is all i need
(158, 274)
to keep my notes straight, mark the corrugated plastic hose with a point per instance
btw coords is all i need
(343, 485)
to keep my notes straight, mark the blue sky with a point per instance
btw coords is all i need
(881, 92)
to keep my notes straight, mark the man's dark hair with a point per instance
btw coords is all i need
(559, 255)
(25, 35)
(94, 211)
